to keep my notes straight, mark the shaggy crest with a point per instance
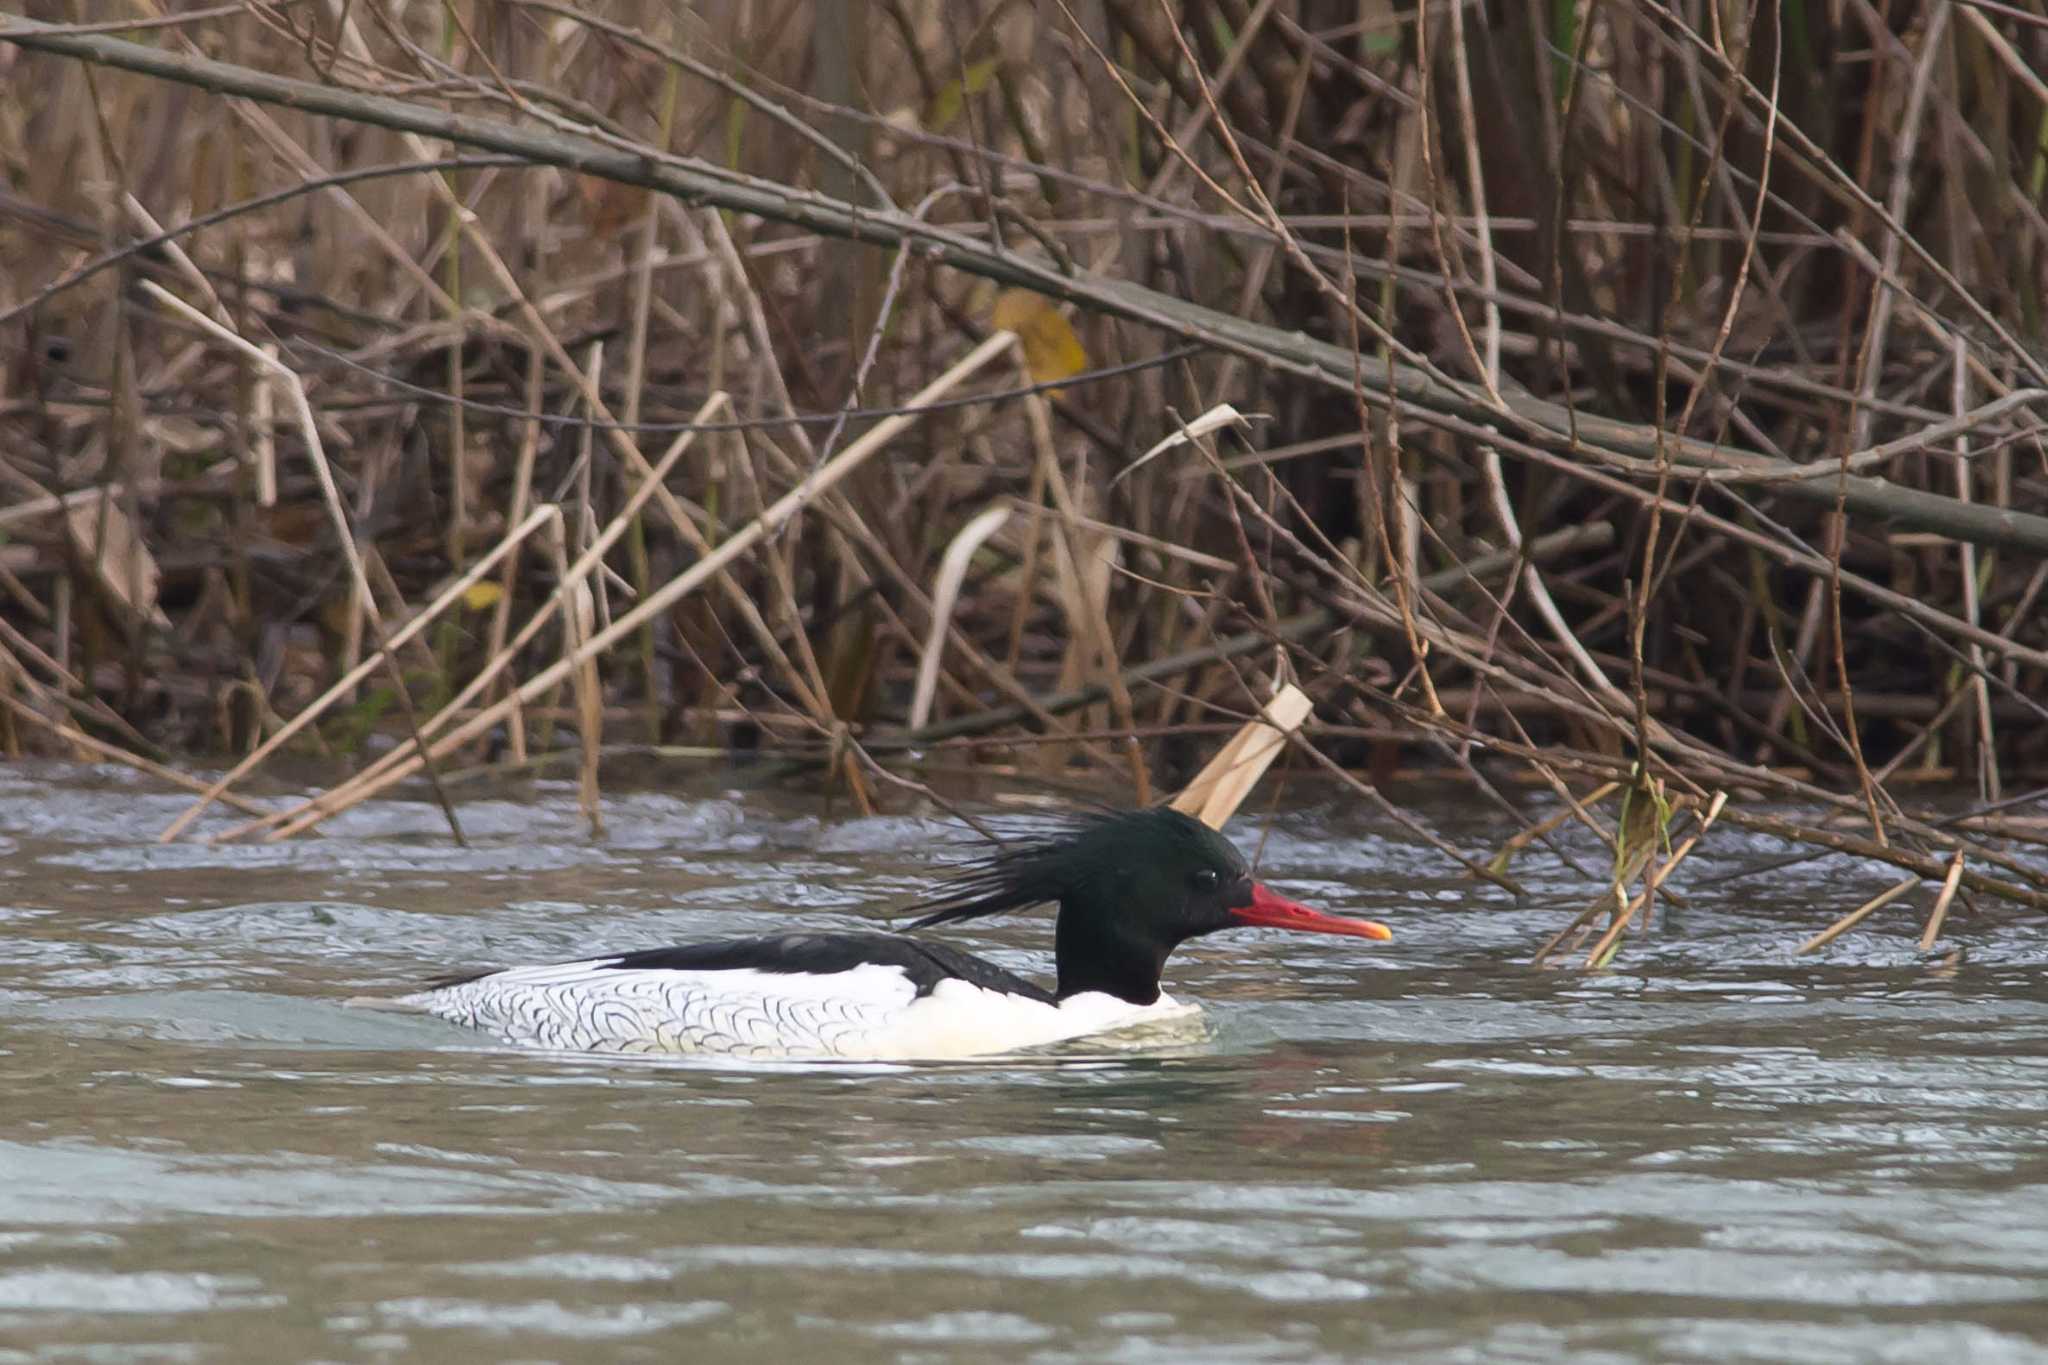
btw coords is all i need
(1082, 850)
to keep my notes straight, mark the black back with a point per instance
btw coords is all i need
(925, 963)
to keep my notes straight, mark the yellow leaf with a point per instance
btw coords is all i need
(1051, 350)
(479, 596)
(952, 97)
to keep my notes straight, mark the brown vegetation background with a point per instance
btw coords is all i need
(1677, 426)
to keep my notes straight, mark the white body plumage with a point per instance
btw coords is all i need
(873, 1012)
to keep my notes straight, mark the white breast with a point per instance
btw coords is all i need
(960, 1019)
(871, 1013)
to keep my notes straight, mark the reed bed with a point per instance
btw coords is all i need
(1639, 402)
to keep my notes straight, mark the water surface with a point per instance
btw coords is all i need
(1424, 1150)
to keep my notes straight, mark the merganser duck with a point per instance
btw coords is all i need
(1131, 887)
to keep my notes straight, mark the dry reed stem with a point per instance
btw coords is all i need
(1612, 900)
(1906, 145)
(365, 606)
(579, 618)
(47, 504)
(522, 494)
(1166, 548)
(1574, 809)
(1081, 569)
(1578, 922)
(809, 685)
(636, 463)
(109, 546)
(952, 572)
(194, 276)
(263, 417)
(1935, 917)
(1986, 757)
(1487, 366)
(1859, 914)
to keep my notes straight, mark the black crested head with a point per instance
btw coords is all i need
(1131, 887)
(1085, 857)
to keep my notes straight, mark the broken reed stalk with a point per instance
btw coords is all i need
(15, 647)
(1578, 921)
(35, 508)
(1935, 917)
(1221, 787)
(407, 758)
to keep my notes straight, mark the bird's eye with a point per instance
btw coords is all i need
(1205, 879)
